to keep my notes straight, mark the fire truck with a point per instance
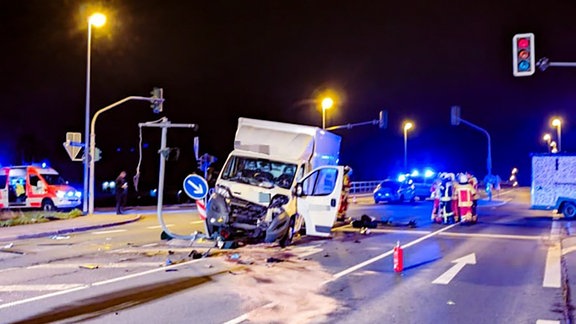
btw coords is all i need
(36, 187)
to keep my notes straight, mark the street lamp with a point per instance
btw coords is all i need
(558, 124)
(327, 103)
(547, 138)
(407, 126)
(96, 20)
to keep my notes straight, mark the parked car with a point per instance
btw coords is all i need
(394, 192)
(422, 185)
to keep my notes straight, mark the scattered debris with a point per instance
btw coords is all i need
(171, 270)
(60, 237)
(326, 255)
(357, 241)
(89, 266)
(451, 303)
(8, 246)
(364, 231)
(170, 252)
(234, 256)
(273, 260)
(195, 254)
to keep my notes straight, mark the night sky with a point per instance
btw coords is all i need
(220, 60)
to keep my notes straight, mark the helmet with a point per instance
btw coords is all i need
(348, 170)
(462, 178)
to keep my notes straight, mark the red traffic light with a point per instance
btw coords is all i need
(523, 42)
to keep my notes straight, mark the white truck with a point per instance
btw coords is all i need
(554, 183)
(279, 179)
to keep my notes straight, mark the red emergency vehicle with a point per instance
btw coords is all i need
(36, 187)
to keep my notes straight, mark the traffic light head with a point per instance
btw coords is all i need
(157, 100)
(383, 119)
(523, 56)
(455, 115)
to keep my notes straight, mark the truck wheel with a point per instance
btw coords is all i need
(569, 210)
(48, 205)
(289, 235)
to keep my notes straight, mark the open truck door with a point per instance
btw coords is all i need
(318, 198)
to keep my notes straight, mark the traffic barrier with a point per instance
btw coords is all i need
(398, 258)
(201, 207)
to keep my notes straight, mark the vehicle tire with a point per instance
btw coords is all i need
(569, 210)
(48, 205)
(401, 199)
(289, 234)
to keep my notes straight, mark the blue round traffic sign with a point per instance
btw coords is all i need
(195, 186)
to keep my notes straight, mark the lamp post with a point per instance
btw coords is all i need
(407, 126)
(547, 138)
(558, 124)
(96, 20)
(327, 103)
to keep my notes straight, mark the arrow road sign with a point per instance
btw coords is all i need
(447, 276)
(195, 186)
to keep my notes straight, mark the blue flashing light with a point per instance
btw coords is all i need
(429, 173)
(401, 178)
(153, 192)
(44, 165)
(414, 173)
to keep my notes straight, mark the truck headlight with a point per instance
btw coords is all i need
(60, 194)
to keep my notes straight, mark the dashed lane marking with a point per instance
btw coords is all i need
(58, 287)
(109, 232)
(159, 226)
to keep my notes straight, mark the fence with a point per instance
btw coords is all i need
(363, 186)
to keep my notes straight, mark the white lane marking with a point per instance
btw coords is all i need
(159, 226)
(547, 322)
(383, 255)
(109, 232)
(11, 288)
(106, 265)
(150, 245)
(197, 222)
(105, 282)
(477, 235)
(447, 276)
(552, 269)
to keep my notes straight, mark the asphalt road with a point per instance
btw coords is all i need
(490, 272)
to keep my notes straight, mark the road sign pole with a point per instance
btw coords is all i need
(165, 124)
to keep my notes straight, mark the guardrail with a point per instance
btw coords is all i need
(363, 186)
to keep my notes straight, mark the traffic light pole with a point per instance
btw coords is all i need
(489, 157)
(92, 154)
(164, 123)
(382, 122)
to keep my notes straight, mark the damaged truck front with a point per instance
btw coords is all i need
(279, 179)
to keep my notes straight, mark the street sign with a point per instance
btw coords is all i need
(71, 146)
(195, 186)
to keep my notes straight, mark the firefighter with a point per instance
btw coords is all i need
(474, 183)
(464, 193)
(345, 193)
(446, 198)
(435, 195)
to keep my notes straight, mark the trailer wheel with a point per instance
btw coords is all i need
(48, 205)
(569, 210)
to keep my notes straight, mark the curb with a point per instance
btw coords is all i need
(71, 230)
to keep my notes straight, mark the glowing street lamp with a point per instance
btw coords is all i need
(547, 138)
(558, 124)
(327, 103)
(407, 126)
(96, 20)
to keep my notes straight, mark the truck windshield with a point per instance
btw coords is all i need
(259, 172)
(54, 179)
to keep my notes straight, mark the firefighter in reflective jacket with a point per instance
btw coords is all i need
(435, 195)
(474, 183)
(465, 193)
(345, 193)
(446, 197)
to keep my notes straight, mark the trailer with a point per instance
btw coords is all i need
(554, 183)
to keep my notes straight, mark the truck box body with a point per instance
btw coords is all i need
(288, 141)
(553, 180)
